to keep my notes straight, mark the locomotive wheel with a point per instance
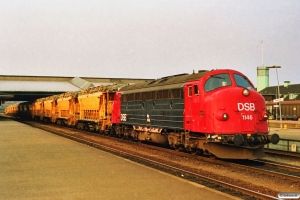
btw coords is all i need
(179, 148)
(86, 127)
(64, 123)
(196, 152)
(97, 128)
(112, 132)
(212, 156)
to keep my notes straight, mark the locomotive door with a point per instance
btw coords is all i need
(192, 120)
(116, 108)
(187, 106)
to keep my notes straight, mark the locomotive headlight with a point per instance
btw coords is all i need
(222, 116)
(246, 92)
(225, 116)
(265, 116)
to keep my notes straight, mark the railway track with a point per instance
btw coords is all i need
(280, 171)
(221, 183)
(287, 154)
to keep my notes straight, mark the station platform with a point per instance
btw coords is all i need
(288, 124)
(288, 134)
(289, 130)
(35, 164)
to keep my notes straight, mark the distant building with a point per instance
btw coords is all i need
(262, 78)
(290, 106)
(287, 91)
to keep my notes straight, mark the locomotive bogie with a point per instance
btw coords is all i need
(88, 125)
(152, 137)
(186, 141)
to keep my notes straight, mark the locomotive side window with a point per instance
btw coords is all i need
(124, 97)
(196, 91)
(177, 93)
(217, 81)
(242, 81)
(190, 91)
(160, 94)
(138, 96)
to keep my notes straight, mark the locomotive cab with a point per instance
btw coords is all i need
(225, 107)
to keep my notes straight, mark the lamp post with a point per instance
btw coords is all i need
(276, 67)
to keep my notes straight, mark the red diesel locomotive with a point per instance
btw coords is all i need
(214, 112)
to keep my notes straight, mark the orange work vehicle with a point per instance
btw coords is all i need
(94, 108)
(37, 109)
(65, 109)
(49, 107)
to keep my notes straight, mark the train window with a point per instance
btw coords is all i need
(217, 81)
(161, 94)
(196, 91)
(242, 81)
(111, 97)
(151, 95)
(124, 97)
(170, 94)
(165, 94)
(131, 97)
(148, 95)
(158, 95)
(138, 96)
(177, 93)
(144, 96)
(190, 91)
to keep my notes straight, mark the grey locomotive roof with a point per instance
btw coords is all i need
(169, 82)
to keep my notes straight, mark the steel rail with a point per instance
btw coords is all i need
(279, 166)
(270, 172)
(282, 153)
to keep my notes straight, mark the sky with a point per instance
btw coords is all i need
(149, 38)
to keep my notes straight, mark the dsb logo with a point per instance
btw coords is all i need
(246, 106)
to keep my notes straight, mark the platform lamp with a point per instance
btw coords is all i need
(276, 67)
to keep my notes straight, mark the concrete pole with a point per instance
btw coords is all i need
(278, 98)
